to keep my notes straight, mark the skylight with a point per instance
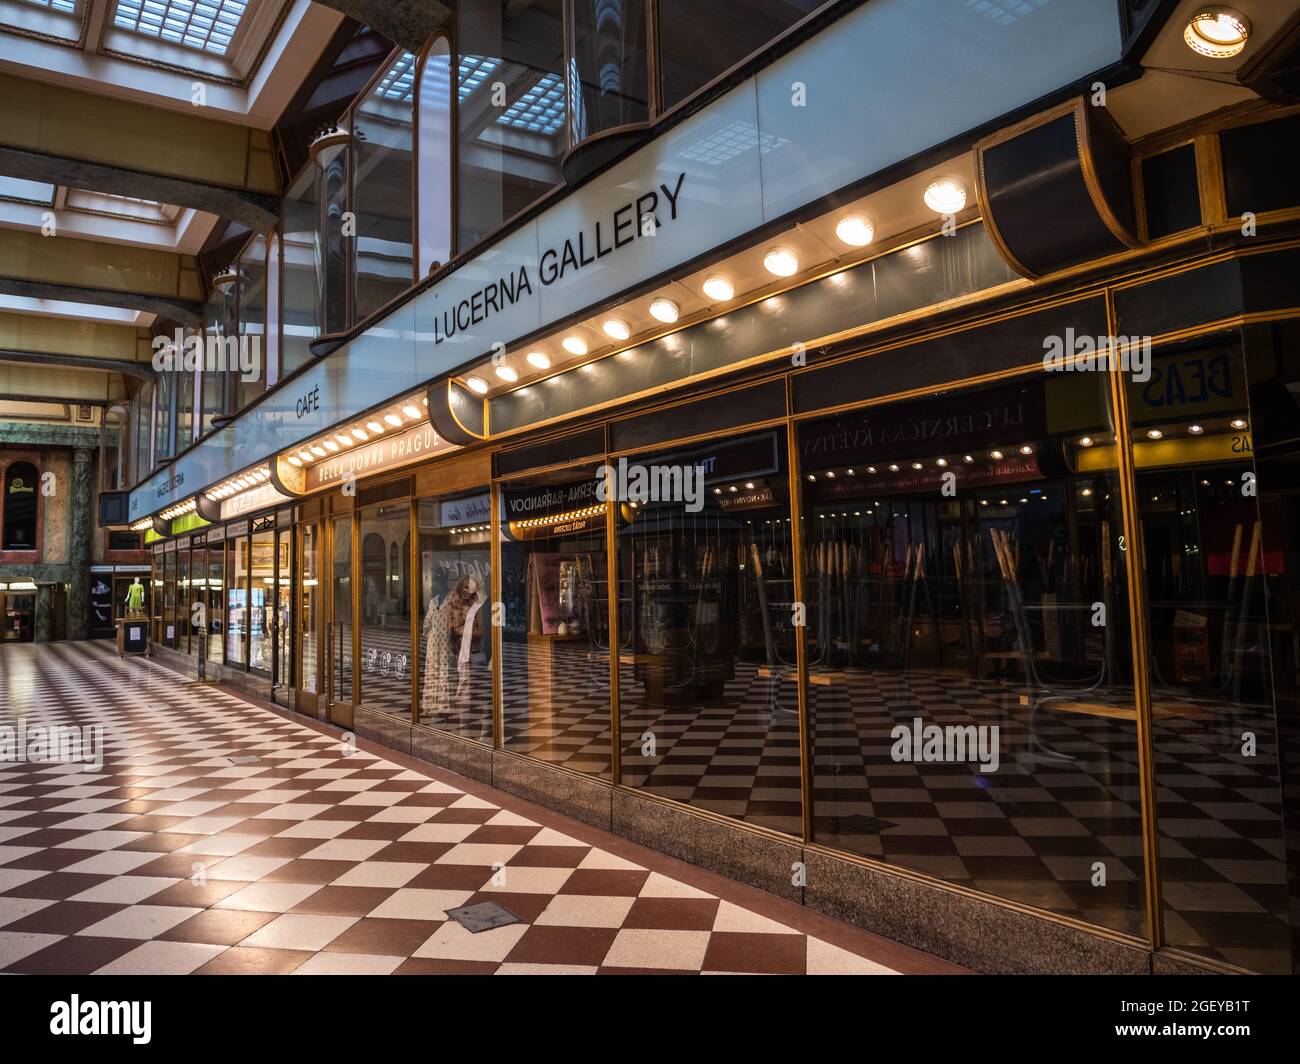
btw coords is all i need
(16, 188)
(472, 72)
(68, 7)
(399, 81)
(205, 25)
(540, 109)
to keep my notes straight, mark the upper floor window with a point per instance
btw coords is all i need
(205, 25)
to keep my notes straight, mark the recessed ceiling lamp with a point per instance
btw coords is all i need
(575, 345)
(331, 446)
(375, 427)
(1195, 430)
(1238, 423)
(946, 195)
(1154, 434)
(782, 262)
(393, 420)
(719, 289)
(360, 434)
(345, 441)
(996, 455)
(1085, 441)
(855, 230)
(664, 310)
(412, 411)
(477, 385)
(1026, 449)
(539, 360)
(318, 450)
(617, 329)
(305, 456)
(507, 373)
(1217, 32)
(294, 460)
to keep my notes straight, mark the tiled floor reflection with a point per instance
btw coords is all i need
(223, 838)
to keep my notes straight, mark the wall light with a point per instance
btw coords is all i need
(1217, 32)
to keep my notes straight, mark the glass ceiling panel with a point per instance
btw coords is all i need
(15, 188)
(204, 25)
(398, 83)
(540, 109)
(68, 7)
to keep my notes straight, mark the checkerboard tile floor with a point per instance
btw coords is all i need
(221, 837)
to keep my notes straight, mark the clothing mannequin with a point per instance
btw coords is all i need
(135, 598)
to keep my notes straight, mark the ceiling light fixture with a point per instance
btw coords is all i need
(1217, 32)
(719, 289)
(539, 360)
(855, 230)
(507, 373)
(477, 385)
(781, 262)
(946, 195)
(393, 420)
(375, 427)
(616, 328)
(413, 412)
(575, 345)
(664, 310)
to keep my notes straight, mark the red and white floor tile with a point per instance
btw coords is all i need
(223, 837)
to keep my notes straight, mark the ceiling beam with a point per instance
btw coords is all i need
(405, 23)
(140, 370)
(183, 311)
(253, 209)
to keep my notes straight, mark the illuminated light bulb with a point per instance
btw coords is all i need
(393, 419)
(1217, 32)
(1154, 434)
(1238, 423)
(893, 468)
(616, 328)
(318, 450)
(997, 456)
(855, 230)
(946, 195)
(1195, 430)
(345, 441)
(477, 385)
(664, 310)
(719, 288)
(413, 412)
(539, 360)
(917, 465)
(575, 345)
(507, 373)
(305, 455)
(1026, 449)
(781, 262)
(331, 446)
(360, 434)
(375, 427)
(1085, 441)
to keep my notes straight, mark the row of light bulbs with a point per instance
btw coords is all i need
(944, 196)
(1194, 429)
(179, 510)
(997, 455)
(399, 417)
(235, 485)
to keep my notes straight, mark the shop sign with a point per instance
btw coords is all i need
(378, 456)
(550, 499)
(472, 510)
(246, 502)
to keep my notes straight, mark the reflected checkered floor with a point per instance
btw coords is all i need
(220, 837)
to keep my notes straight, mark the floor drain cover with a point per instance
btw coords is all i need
(482, 917)
(244, 759)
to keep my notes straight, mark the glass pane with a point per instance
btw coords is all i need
(1209, 539)
(555, 643)
(215, 600)
(252, 322)
(283, 614)
(433, 168)
(183, 597)
(386, 608)
(610, 66)
(167, 633)
(698, 42)
(455, 645)
(236, 600)
(303, 259)
(510, 90)
(708, 684)
(307, 615)
(341, 645)
(261, 613)
(970, 697)
(382, 139)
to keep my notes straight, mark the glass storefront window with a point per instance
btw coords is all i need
(382, 179)
(386, 608)
(708, 678)
(261, 601)
(340, 649)
(237, 600)
(434, 162)
(455, 635)
(555, 641)
(1211, 537)
(303, 260)
(509, 146)
(970, 697)
(283, 623)
(609, 68)
(252, 321)
(307, 615)
(215, 599)
(167, 633)
(183, 596)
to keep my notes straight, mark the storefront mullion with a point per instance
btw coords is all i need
(801, 630)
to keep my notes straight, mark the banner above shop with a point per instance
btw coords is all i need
(776, 142)
(378, 456)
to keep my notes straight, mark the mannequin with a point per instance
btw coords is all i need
(450, 629)
(135, 598)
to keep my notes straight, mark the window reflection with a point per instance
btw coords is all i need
(970, 694)
(386, 608)
(455, 635)
(555, 643)
(708, 683)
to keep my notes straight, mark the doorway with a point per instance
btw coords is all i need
(340, 627)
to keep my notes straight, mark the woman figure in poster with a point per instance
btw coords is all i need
(452, 629)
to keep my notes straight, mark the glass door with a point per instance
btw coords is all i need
(339, 627)
(309, 621)
(282, 620)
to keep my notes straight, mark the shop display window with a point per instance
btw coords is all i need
(261, 601)
(455, 633)
(237, 600)
(1218, 554)
(386, 608)
(708, 670)
(970, 697)
(215, 599)
(555, 640)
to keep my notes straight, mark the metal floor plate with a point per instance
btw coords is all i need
(482, 917)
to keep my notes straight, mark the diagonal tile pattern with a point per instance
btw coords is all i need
(181, 856)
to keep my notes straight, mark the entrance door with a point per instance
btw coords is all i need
(281, 621)
(339, 625)
(309, 621)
